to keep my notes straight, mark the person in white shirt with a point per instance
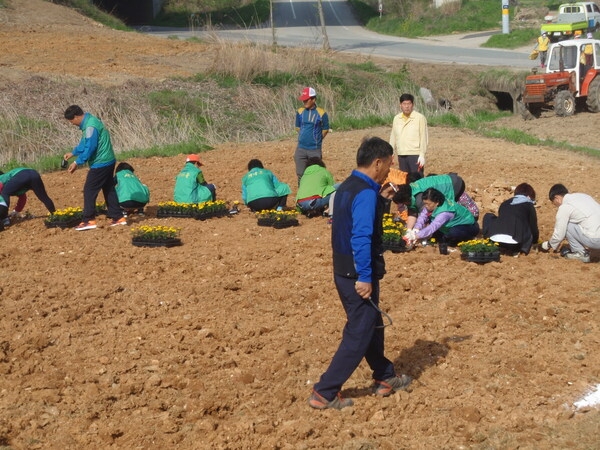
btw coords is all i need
(577, 220)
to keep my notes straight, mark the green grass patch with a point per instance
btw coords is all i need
(420, 19)
(206, 13)
(514, 39)
(184, 148)
(87, 8)
(346, 123)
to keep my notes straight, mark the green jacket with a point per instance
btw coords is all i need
(316, 180)
(262, 183)
(130, 188)
(442, 183)
(188, 187)
(462, 216)
(103, 154)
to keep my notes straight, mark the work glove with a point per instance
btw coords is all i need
(546, 246)
(421, 161)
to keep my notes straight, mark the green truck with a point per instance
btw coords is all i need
(572, 17)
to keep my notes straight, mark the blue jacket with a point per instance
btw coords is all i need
(357, 229)
(310, 124)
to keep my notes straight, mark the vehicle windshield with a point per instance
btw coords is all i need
(569, 57)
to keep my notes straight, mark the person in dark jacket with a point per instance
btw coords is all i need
(358, 265)
(515, 228)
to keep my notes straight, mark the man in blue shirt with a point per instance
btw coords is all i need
(358, 265)
(95, 149)
(312, 125)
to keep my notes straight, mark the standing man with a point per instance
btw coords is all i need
(358, 266)
(542, 47)
(577, 219)
(409, 136)
(312, 125)
(95, 149)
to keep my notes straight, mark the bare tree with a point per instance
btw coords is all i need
(323, 29)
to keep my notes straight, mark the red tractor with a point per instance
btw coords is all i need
(572, 76)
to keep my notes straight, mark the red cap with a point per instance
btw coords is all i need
(194, 158)
(307, 93)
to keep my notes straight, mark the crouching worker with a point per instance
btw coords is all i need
(315, 189)
(444, 220)
(515, 228)
(577, 221)
(262, 190)
(132, 193)
(17, 182)
(190, 185)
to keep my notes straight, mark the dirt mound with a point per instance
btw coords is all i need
(215, 344)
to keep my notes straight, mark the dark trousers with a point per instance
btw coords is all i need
(458, 234)
(260, 204)
(100, 179)
(360, 339)
(410, 164)
(25, 180)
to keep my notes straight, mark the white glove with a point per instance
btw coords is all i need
(411, 236)
(546, 246)
(421, 161)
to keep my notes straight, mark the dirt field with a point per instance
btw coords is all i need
(216, 344)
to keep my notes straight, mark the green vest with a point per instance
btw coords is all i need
(130, 188)
(442, 183)
(6, 177)
(316, 180)
(187, 187)
(104, 153)
(262, 183)
(462, 216)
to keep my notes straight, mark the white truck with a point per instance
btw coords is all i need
(580, 16)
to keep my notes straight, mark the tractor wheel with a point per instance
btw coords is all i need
(564, 104)
(593, 98)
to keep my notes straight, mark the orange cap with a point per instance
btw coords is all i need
(194, 158)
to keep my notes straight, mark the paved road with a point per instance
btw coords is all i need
(297, 24)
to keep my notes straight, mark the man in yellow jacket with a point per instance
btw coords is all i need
(542, 47)
(409, 136)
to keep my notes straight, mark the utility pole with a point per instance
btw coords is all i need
(505, 17)
(272, 24)
(323, 29)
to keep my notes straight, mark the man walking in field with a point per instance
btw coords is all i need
(358, 266)
(95, 149)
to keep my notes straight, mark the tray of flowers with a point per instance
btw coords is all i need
(155, 236)
(208, 210)
(175, 209)
(277, 219)
(479, 251)
(393, 235)
(64, 218)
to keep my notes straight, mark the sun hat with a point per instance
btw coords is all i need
(307, 93)
(194, 158)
